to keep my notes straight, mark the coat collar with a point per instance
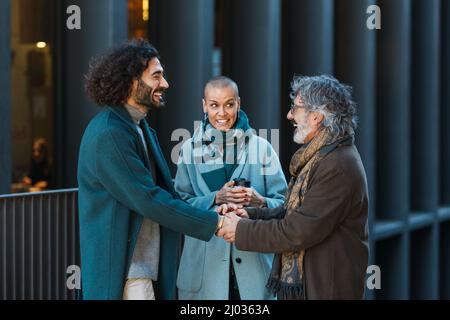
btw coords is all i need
(160, 161)
(123, 114)
(135, 114)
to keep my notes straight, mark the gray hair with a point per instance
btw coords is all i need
(326, 95)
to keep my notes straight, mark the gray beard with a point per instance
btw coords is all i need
(300, 134)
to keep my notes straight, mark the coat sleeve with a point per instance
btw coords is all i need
(323, 209)
(183, 186)
(122, 172)
(275, 182)
(266, 213)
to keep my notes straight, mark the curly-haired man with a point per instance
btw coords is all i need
(129, 214)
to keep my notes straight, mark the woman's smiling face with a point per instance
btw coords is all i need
(222, 106)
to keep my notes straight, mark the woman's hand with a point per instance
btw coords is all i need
(239, 196)
(228, 194)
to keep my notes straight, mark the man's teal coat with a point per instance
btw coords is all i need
(116, 190)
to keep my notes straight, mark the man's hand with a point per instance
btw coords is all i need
(242, 213)
(228, 231)
(227, 207)
(231, 207)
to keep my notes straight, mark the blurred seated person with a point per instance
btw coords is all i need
(38, 177)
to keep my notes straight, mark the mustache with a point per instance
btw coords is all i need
(159, 90)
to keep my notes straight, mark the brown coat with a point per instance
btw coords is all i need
(331, 226)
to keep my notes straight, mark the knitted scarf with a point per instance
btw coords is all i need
(210, 145)
(287, 277)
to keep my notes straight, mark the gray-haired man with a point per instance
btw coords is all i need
(319, 234)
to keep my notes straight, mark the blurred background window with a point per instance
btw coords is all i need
(138, 18)
(32, 44)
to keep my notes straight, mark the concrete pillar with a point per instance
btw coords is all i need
(445, 103)
(308, 50)
(185, 33)
(103, 24)
(255, 59)
(355, 65)
(425, 105)
(393, 110)
(5, 97)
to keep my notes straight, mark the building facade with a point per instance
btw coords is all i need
(400, 75)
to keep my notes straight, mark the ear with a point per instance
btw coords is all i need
(318, 118)
(205, 109)
(238, 104)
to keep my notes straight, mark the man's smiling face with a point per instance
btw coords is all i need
(149, 89)
(307, 123)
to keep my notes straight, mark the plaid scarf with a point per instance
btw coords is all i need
(287, 277)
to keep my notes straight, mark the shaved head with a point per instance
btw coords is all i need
(221, 82)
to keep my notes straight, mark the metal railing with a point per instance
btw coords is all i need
(39, 242)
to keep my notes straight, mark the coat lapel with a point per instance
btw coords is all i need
(123, 114)
(160, 162)
(159, 157)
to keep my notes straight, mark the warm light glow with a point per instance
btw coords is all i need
(145, 10)
(41, 45)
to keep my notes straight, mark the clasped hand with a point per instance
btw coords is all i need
(241, 196)
(233, 213)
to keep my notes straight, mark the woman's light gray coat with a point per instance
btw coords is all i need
(204, 267)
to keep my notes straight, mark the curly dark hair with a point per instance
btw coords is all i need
(111, 74)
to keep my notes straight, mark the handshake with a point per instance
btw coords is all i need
(230, 216)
